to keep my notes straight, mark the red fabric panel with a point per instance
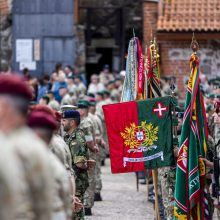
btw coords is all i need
(118, 117)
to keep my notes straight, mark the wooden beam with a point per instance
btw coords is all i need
(186, 36)
(99, 7)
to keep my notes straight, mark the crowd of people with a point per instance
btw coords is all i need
(54, 141)
(54, 129)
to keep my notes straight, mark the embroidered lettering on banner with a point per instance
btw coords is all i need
(142, 159)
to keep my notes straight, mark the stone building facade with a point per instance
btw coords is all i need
(5, 35)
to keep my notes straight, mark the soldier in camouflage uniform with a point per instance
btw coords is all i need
(75, 139)
(216, 121)
(210, 119)
(59, 147)
(88, 127)
(101, 154)
(99, 112)
(167, 175)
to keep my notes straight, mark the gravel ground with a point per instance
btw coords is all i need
(121, 201)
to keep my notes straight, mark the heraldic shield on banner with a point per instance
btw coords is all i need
(140, 134)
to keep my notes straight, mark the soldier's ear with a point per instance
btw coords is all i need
(72, 122)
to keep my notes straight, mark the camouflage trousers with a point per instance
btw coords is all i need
(81, 214)
(166, 179)
(90, 191)
(105, 137)
(98, 180)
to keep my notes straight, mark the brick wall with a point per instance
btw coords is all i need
(175, 54)
(4, 7)
(169, 66)
(150, 14)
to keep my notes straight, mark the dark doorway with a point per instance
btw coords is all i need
(105, 58)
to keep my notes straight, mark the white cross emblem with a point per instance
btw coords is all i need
(160, 109)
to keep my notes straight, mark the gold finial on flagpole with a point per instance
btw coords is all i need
(194, 44)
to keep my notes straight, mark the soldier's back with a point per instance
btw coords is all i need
(62, 151)
(33, 155)
(61, 189)
(11, 194)
(54, 105)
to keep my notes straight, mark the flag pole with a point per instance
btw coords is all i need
(155, 182)
(137, 180)
(150, 95)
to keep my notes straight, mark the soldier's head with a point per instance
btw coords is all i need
(70, 80)
(50, 95)
(94, 78)
(68, 69)
(179, 116)
(99, 96)
(63, 91)
(70, 120)
(83, 108)
(92, 107)
(106, 68)
(107, 94)
(110, 85)
(15, 95)
(44, 100)
(77, 80)
(43, 124)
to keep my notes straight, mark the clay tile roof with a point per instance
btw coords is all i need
(189, 15)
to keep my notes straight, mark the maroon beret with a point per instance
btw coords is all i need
(44, 108)
(58, 116)
(41, 120)
(15, 85)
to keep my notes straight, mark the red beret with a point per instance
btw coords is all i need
(15, 85)
(41, 120)
(44, 108)
(58, 116)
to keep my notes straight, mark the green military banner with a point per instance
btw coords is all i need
(140, 134)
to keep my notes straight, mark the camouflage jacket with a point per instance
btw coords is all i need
(79, 152)
(87, 127)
